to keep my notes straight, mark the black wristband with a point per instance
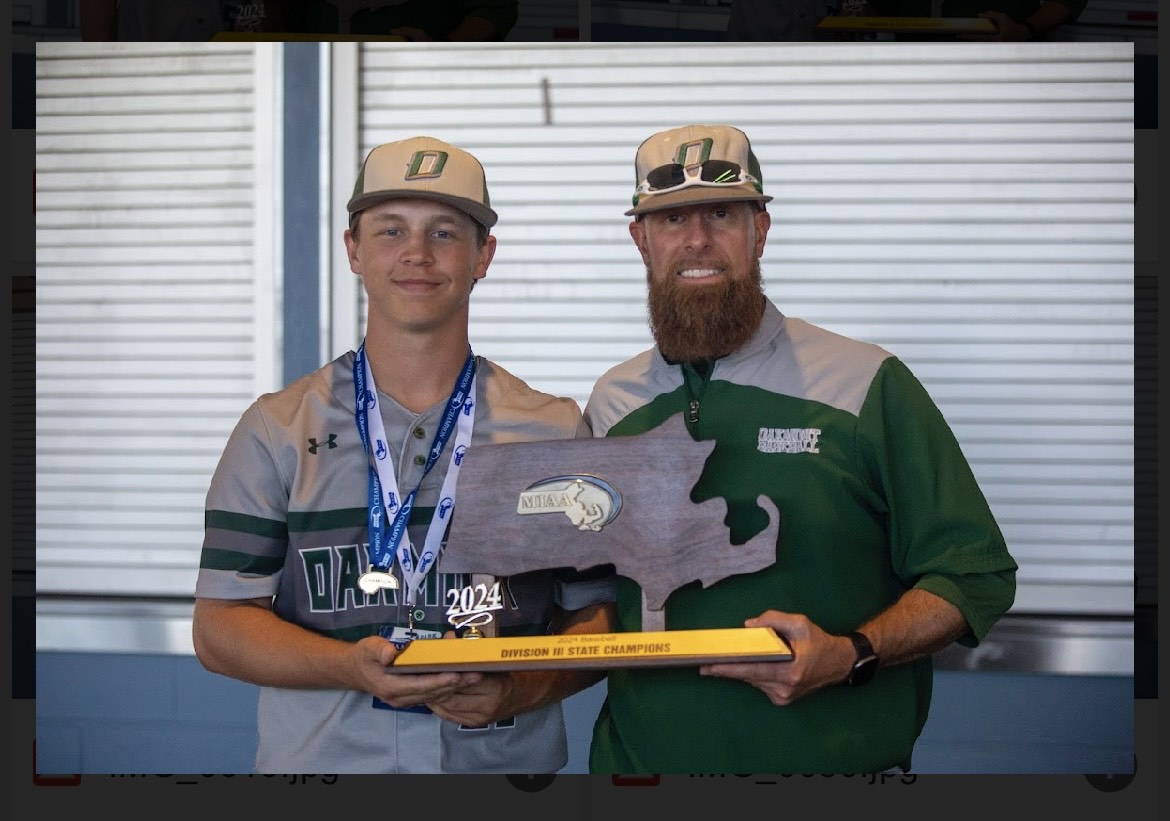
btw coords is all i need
(1032, 34)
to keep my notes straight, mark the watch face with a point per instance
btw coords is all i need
(863, 671)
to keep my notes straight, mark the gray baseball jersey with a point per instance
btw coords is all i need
(286, 517)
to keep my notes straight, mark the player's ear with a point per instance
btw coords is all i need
(487, 253)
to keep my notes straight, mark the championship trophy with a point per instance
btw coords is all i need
(580, 503)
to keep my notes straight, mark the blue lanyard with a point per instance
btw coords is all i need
(388, 542)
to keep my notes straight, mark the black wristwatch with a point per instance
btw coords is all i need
(866, 662)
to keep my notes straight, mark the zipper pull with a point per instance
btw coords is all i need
(693, 413)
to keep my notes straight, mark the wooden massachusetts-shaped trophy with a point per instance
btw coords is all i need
(581, 503)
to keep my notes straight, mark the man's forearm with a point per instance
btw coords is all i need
(541, 687)
(247, 641)
(918, 624)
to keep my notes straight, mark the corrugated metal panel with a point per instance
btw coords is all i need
(971, 209)
(146, 317)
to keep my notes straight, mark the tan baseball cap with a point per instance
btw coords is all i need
(695, 164)
(424, 168)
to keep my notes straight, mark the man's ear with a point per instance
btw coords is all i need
(638, 233)
(487, 253)
(763, 222)
(351, 251)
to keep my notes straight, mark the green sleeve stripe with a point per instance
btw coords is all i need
(236, 562)
(243, 523)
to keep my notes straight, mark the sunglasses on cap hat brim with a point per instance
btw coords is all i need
(674, 177)
(674, 184)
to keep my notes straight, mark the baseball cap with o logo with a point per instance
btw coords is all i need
(695, 164)
(424, 168)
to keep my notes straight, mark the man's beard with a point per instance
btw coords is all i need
(709, 322)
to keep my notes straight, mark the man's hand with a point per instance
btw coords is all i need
(494, 696)
(374, 654)
(917, 624)
(480, 703)
(818, 659)
(477, 703)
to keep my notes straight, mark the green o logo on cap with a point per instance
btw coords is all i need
(695, 153)
(426, 164)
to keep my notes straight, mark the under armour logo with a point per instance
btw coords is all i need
(330, 443)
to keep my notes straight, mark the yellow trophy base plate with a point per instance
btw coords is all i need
(585, 651)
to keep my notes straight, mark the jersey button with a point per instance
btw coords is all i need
(419, 433)
(420, 460)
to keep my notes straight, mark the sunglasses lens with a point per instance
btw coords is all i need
(665, 176)
(720, 171)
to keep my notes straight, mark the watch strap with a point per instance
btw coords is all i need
(865, 661)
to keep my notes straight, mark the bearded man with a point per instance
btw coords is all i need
(887, 550)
